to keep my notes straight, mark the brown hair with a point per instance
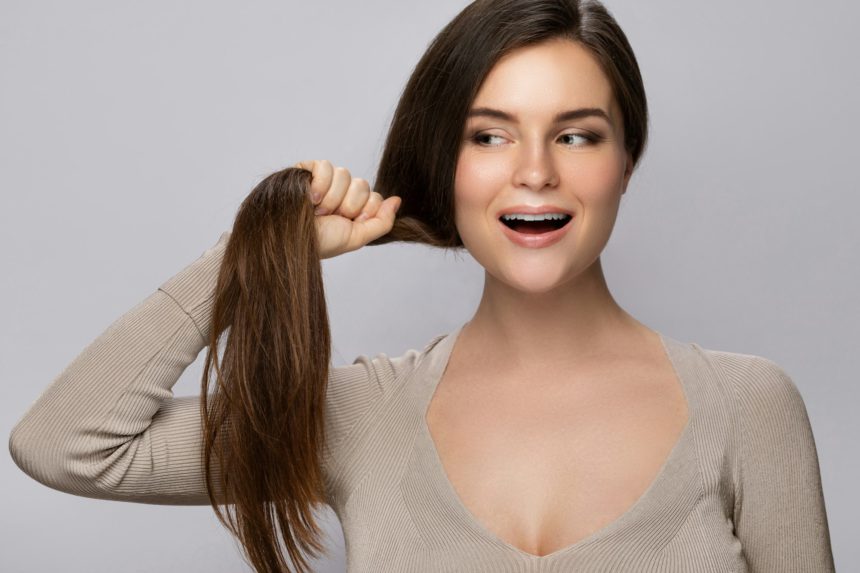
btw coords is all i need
(264, 421)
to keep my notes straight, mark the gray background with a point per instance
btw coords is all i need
(132, 131)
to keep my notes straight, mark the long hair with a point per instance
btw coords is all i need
(264, 433)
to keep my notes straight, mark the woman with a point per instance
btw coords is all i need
(551, 431)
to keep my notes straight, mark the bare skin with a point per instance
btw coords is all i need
(545, 456)
(557, 407)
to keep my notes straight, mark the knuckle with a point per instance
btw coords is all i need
(342, 171)
(361, 193)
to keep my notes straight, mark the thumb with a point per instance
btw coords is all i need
(395, 206)
(388, 208)
(382, 222)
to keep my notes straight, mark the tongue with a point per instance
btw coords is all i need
(533, 227)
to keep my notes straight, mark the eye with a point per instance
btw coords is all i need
(582, 139)
(480, 138)
(573, 139)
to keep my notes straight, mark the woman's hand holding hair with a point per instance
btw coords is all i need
(349, 214)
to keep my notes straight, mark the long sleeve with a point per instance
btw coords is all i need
(108, 426)
(780, 516)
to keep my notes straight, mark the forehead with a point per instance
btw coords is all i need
(543, 78)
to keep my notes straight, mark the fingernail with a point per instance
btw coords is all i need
(321, 211)
(315, 198)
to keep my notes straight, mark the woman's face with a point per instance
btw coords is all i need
(528, 157)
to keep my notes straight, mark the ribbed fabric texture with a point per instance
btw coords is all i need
(739, 492)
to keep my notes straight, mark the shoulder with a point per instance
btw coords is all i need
(755, 380)
(355, 387)
(355, 391)
(765, 397)
(391, 370)
(357, 394)
(375, 375)
(380, 371)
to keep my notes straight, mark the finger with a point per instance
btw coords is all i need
(321, 176)
(333, 197)
(370, 208)
(307, 165)
(356, 196)
(375, 227)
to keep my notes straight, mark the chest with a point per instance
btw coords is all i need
(543, 461)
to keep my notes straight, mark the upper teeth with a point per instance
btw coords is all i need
(529, 217)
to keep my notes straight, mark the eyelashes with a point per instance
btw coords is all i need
(587, 139)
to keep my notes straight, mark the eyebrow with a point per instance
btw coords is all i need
(559, 117)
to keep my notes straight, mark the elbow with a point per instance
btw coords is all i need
(50, 460)
(31, 453)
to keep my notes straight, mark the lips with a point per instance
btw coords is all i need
(536, 240)
(535, 226)
(533, 210)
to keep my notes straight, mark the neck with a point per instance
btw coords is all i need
(577, 321)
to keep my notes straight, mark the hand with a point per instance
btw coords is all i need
(351, 215)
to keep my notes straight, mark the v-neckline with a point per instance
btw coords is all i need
(653, 494)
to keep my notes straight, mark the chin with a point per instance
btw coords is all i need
(533, 279)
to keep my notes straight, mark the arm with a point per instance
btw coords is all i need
(780, 516)
(108, 426)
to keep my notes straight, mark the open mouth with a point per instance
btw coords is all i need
(535, 227)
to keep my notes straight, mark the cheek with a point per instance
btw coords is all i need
(601, 179)
(477, 175)
(476, 182)
(473, 198)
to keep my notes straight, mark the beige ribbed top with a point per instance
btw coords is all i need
(739, 492)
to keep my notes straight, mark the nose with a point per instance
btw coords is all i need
(535, 167)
